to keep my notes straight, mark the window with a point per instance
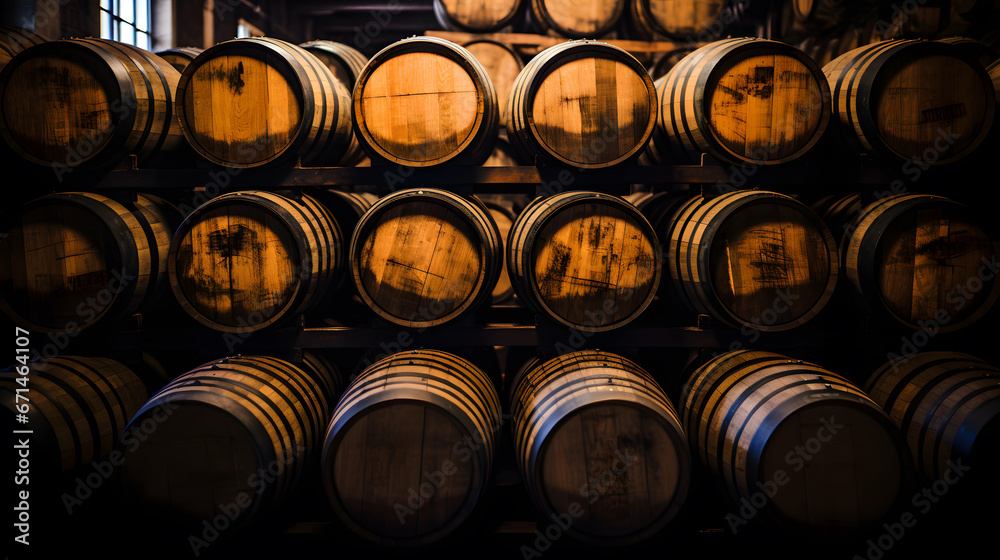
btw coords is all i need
(126, 21)
(246, 29)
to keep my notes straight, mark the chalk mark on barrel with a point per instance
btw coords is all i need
(800, 78)
(231, 241)
(737, 95)
(943, 249)
(762, 83)
(558, 264)
(235, 79)
(86, 280)
(588, 282)
(773, 263)
(427, 272)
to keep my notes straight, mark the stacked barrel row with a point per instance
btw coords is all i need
(234, 437)
(424, 102)
(406, 453)
(237, 433)
(252, 102)
(249, 260)
(679, 20)
(826, 29)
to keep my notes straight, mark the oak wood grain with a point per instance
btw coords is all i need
(476, 15)
(583, 103)
(425, 101)
(180, 57)
(503, 64)
(684, 19)
(578, 20)
(423, 257)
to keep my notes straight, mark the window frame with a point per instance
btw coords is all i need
(113, 22)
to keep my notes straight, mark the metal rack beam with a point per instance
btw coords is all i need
(477, 179)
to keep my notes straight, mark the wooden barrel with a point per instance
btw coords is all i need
(512, 378)
(818, 15)
(976, 50)
(994, 71)
(638, 199)
(332, 383)
(163, 219)
(636, 25)
(584, 259)
(838, 212)
(259, 101)
(246, 260)
(504, 218)
(669, 59)
(826, 48)
(751, 258)
(409, 449)
(422, 257)
(347, 208)
(922, 21)
(234, 435)
(73, 260)
(918, 259)
(476, 16)
(685, 19)
(947, 405)
(743, 100)
(610, 119)
(660, 208)
(990, 38)
(852, 38)
(578, 20)
(834, 461)
(152, 372)
(120, 102)
(503, 64)
(78, 408)
(595, 436)
(343, 61)
(13, 40)
(881, 113)
(658, 149)
(180, 57)
(871, 28)
(425, 101)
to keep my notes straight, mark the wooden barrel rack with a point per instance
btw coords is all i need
(505, 519)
